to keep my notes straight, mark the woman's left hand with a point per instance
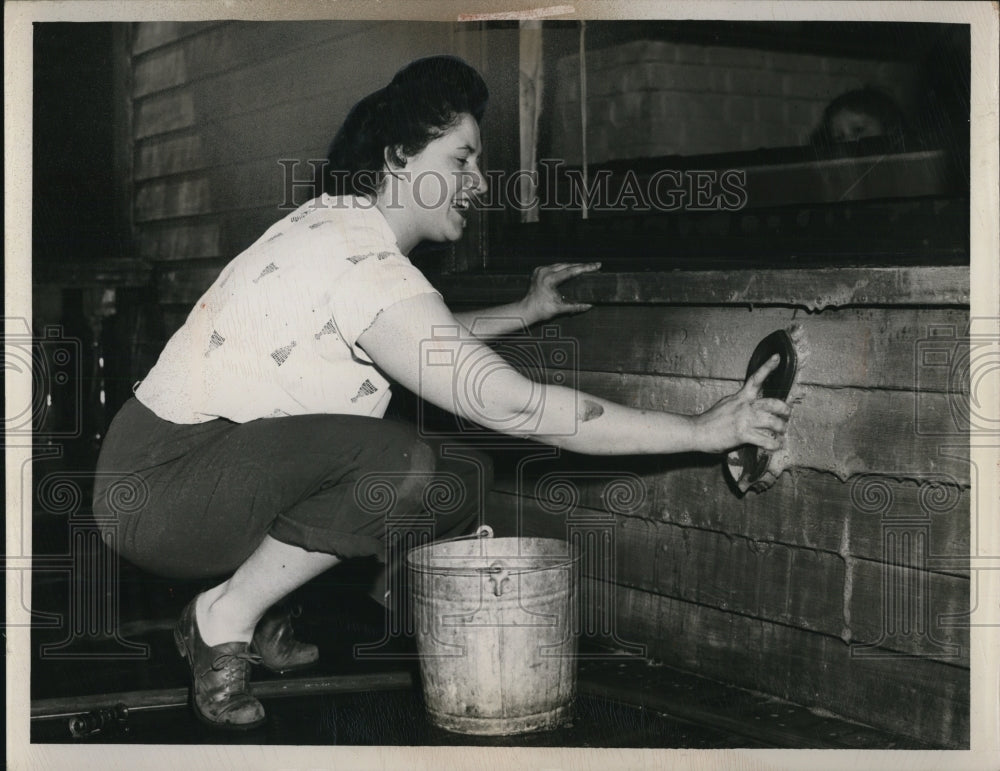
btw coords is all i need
(544, 299)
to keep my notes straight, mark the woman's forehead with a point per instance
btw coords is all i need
(465, 133)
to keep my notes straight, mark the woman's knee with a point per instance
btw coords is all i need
(396, 458)
(413, 481)
(398, 447)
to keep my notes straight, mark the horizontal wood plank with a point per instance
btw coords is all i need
(893, 608)
(851, 179)
(257, 91)
(295, 121)
(746, 716)
(219, 190)
(211, 236)
(228, 47)
(176, 141)
(798, 587)
(867, 347)
(184, 198)
(185, 239)
(172, 111)
(804, 507)
(183, 286)
(813, 590)
(925, 699)
(154, 34)
(812, 289)
(110, 273)
(786, 182)
(173, 154)
(844, 431)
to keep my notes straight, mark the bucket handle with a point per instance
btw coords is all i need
(499, 576)
(484, 531)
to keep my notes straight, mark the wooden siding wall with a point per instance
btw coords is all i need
(217, 105)
(841, 586)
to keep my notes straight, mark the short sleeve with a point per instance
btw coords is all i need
(367, 288)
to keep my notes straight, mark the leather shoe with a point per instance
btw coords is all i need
(220, 677)
(274, 640)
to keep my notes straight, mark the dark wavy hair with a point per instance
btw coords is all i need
(421, 102)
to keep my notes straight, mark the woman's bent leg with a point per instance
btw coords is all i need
(274, 502)
(330, 484)
(325, 483)
(231, 610)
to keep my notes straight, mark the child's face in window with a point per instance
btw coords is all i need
(849, 126)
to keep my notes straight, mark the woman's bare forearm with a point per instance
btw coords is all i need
(587, 424)
(473, 381)
(487, 323)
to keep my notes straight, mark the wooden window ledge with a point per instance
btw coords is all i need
(813, 289)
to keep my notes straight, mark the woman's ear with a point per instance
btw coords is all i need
(394, 158)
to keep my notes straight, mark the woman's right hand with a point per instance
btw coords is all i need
(744, 417)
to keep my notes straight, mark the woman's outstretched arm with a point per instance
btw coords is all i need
(421, 345)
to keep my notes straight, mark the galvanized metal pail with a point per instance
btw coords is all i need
(495, 628)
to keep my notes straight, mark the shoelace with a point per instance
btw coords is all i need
(220, 661)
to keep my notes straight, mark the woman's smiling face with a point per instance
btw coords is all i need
(429, 198)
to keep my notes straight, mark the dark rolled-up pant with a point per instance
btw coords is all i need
(194, 501)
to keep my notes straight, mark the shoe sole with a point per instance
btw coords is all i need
(287, 670)
(182, 650)
(290, 670)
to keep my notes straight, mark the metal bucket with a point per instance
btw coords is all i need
(495, 632)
